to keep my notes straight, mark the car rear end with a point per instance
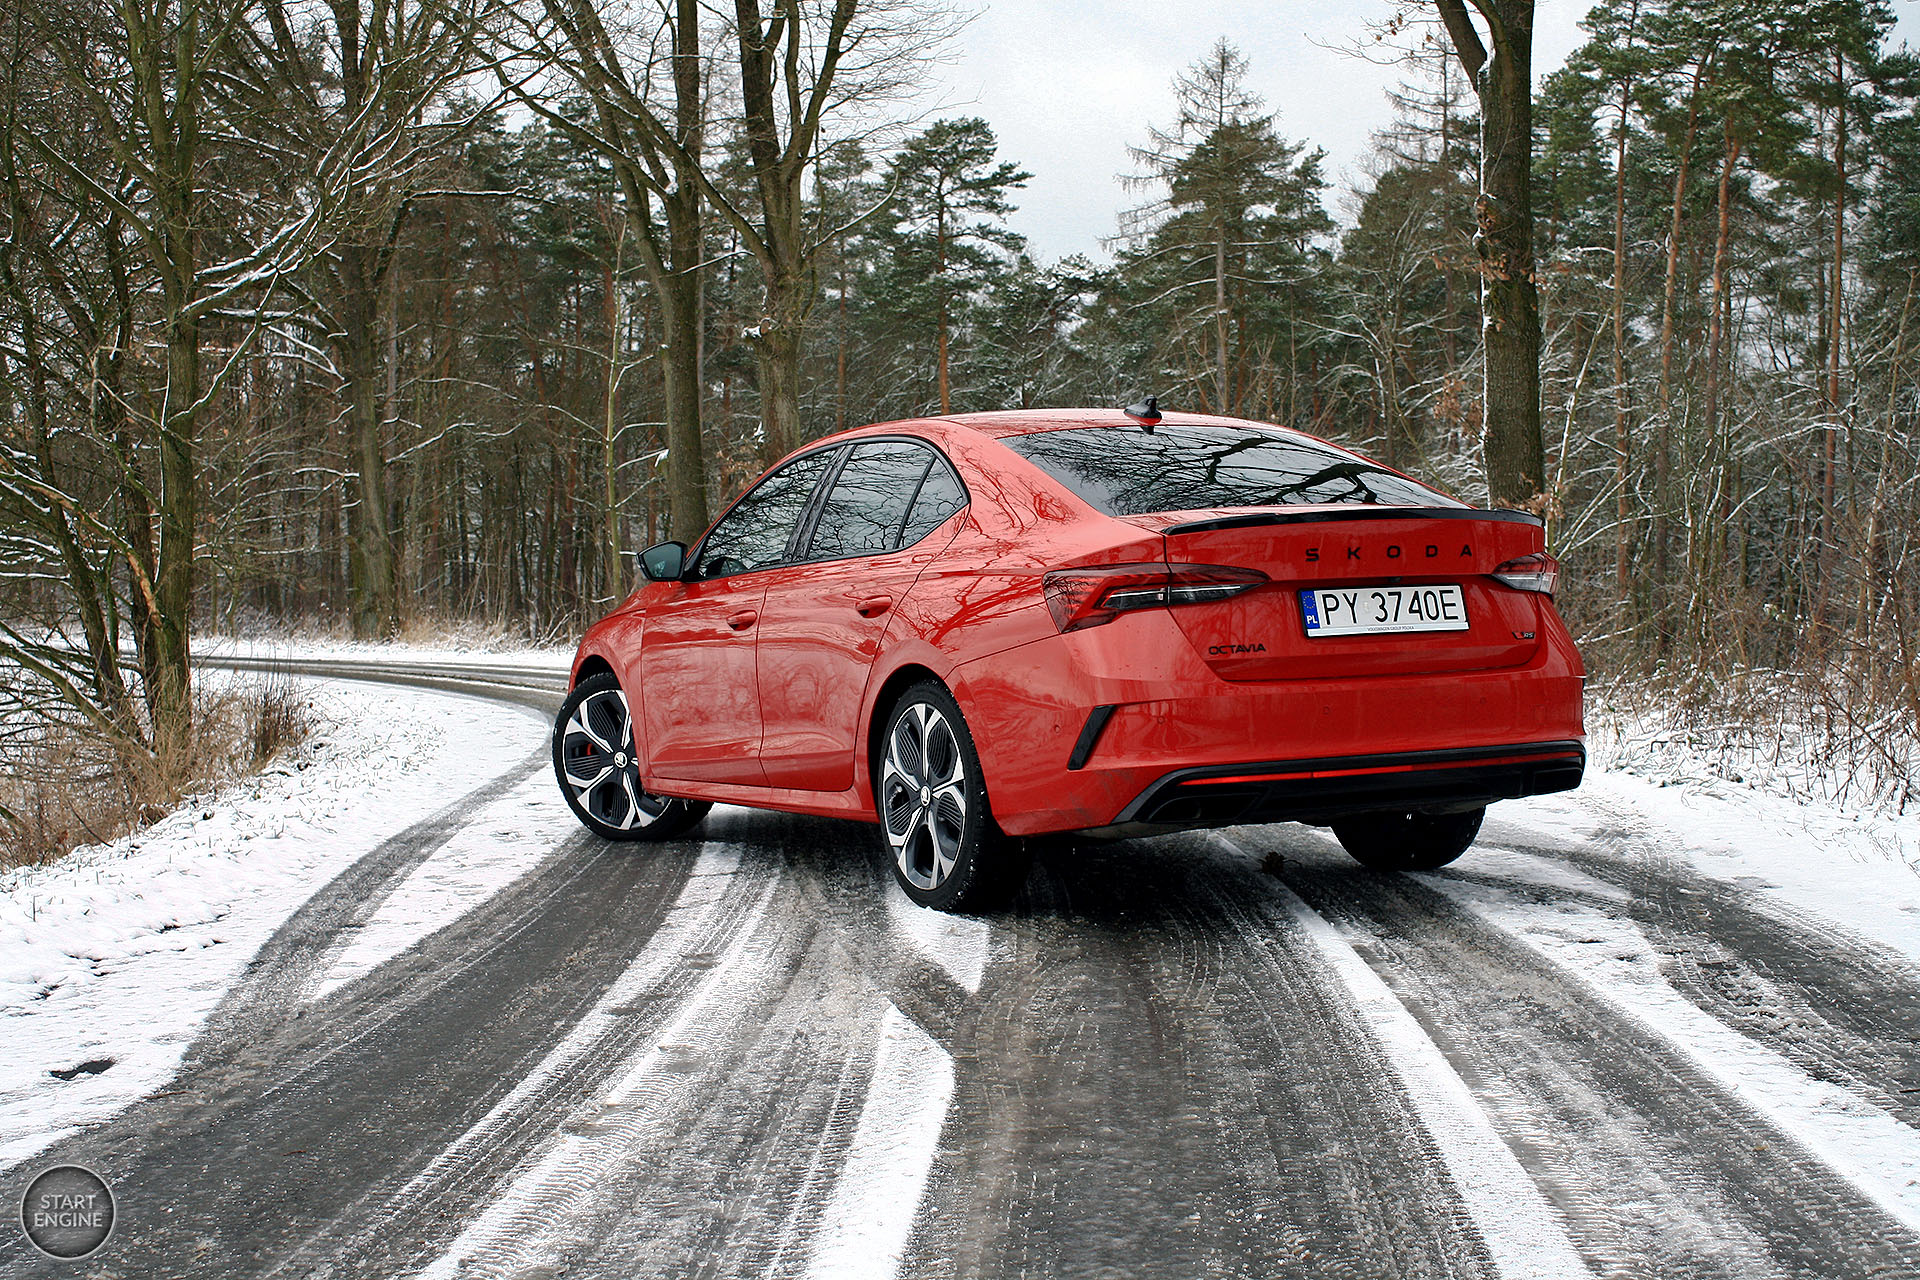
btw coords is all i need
(1357, 643)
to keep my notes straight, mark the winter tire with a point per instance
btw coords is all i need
(599, 772)
(1409, 841)
(946, 851)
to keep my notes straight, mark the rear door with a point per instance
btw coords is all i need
(699, 693)
(887, 513)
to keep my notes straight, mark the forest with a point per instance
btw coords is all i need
(381, 316)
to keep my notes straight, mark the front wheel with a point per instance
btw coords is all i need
(599, 773)
(946, 851)
(1409, 841)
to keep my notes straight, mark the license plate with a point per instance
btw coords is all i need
(1363, 611)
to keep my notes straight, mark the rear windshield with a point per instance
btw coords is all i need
(1126, 471)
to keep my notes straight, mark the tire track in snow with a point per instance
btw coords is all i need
(289, 965)
(541, 1214)
(1656, 1167)
(383, 1232)
(376, 1079)
(499, 845)
(1844, 1009)
(797, 1091)
(875, 1205)
(1860, 1142)
(1161, 1076)
(1523, 1233)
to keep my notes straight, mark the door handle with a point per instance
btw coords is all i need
(742, 620)
(873, 606)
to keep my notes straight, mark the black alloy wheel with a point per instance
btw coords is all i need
(599, 773)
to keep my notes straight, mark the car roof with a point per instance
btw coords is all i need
(1020, 422)
(1001, 424)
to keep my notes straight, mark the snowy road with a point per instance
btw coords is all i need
(494, 1046)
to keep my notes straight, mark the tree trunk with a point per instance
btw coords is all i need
(614, 576)
(373, 587)
(1663, 444)
(1622, 436)
(171, 698)
(1227, 405)
(1510, 300)
(1716, 335)
(680, 366)
(779, 363)
(1831, 431)
(940, 289)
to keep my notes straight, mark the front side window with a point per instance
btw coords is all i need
(755, 534)
(1124, 471)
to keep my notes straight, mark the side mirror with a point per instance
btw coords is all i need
(664, 561)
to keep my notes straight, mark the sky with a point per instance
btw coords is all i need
(1068, 84)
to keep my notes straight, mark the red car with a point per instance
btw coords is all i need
(991, 626)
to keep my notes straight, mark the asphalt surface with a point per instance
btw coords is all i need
(682, 1060)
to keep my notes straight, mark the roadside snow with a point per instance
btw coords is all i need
(1854, 871)
(117, 953)
(554, 660)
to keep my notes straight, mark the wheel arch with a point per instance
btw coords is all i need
(897, 682)
(592, 665)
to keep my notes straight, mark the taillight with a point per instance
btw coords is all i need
(1537, 572)
(1097, 595)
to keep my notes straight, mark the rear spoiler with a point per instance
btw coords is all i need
(1254, 520)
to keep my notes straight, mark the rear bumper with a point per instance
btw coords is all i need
(1050, 768)
(1323, 789)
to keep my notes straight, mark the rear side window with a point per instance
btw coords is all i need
(755, 534)
(1125, 471)
(890, 494)
(869, 499)
(939, 497)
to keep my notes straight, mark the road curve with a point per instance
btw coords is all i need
(1214, 1054)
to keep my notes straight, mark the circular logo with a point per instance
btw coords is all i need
(67, 1211)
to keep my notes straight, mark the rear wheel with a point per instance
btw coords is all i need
(599, 772)
(946, 851)
(1408, 841)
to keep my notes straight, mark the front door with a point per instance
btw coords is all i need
(699, 695)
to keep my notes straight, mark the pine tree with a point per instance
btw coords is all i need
(1234, 229)
(944, 241)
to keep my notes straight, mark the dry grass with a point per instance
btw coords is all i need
(61, 787)
(1834, 735)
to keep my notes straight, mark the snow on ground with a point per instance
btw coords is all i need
(1858, 871)
(1858, 1140)
(503, 842)
(120, 951)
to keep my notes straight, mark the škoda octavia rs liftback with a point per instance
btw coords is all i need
(979, 628)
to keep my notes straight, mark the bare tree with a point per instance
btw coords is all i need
(804, 63)
(354, 92)
(145, 76)
(1501, 68)
(641, 71)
